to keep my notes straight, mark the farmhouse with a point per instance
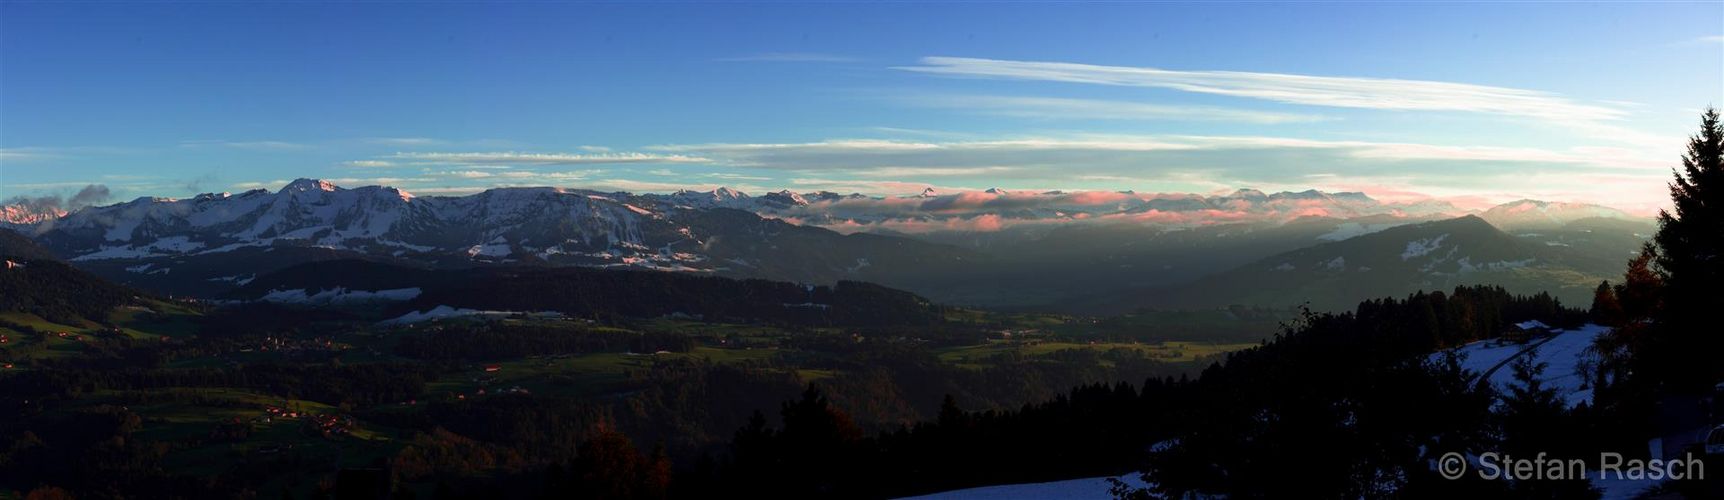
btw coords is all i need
(1520, 332)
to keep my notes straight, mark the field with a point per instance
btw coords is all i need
(1171, 352)
(222, 425)
(576, 375)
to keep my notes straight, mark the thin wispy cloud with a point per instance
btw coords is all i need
(251, 145)
(546, 158)
(485, 174)
(639, 186)
(351, 182)
(734, 176)
(789, 57)
(248, 185)
(1184, 162)
(1343, 92)
(1068, 108)
(1098, 150)
(26, 154)
(403, 141)
(901, 172)
(368, 164)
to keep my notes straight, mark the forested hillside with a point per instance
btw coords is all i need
(57, 292)
(594, 293)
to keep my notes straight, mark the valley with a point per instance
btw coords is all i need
(253, 392)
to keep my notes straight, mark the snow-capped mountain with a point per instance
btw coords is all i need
(582, 227)
(510, 223)
(1534, 214)
(968, 247)
(20, 214)
(149, 240)
(722, 197)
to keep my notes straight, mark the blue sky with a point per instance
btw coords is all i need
(1477, 102)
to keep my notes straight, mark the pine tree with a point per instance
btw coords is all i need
(1535, 419)
(1691, 256)
(951, 416)
(1606, 310)
(1529, 407)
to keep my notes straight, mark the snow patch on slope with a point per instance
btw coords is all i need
(1418, 248)
(339, 295)
(444, 312)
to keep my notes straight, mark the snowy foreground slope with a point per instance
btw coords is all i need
(1562, 352)
(1086, 488)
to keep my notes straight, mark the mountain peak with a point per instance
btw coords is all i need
(1250, 194)
(1527, 214)
(785, 197)
(1470, 219)
(928, 192)
(26, 213)
(302, 184)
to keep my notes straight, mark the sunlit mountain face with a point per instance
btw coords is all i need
(963, 247)
(861, 250)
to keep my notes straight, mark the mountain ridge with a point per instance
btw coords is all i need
(1436, 255)
(969, 248)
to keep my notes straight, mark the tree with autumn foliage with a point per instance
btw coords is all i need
(611, 467)
(1641, 293)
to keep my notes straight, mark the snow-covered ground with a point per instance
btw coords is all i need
(1419, 248)
(1616, 488)
(442, 312)
(340, 295)
(1086, 488)
(1097, 488)
(1562, 354)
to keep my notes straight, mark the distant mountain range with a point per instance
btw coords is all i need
(22, 214)
(996, 209)
(994, 248)
(1533, 215)
(1437, 255)
(213, 242)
